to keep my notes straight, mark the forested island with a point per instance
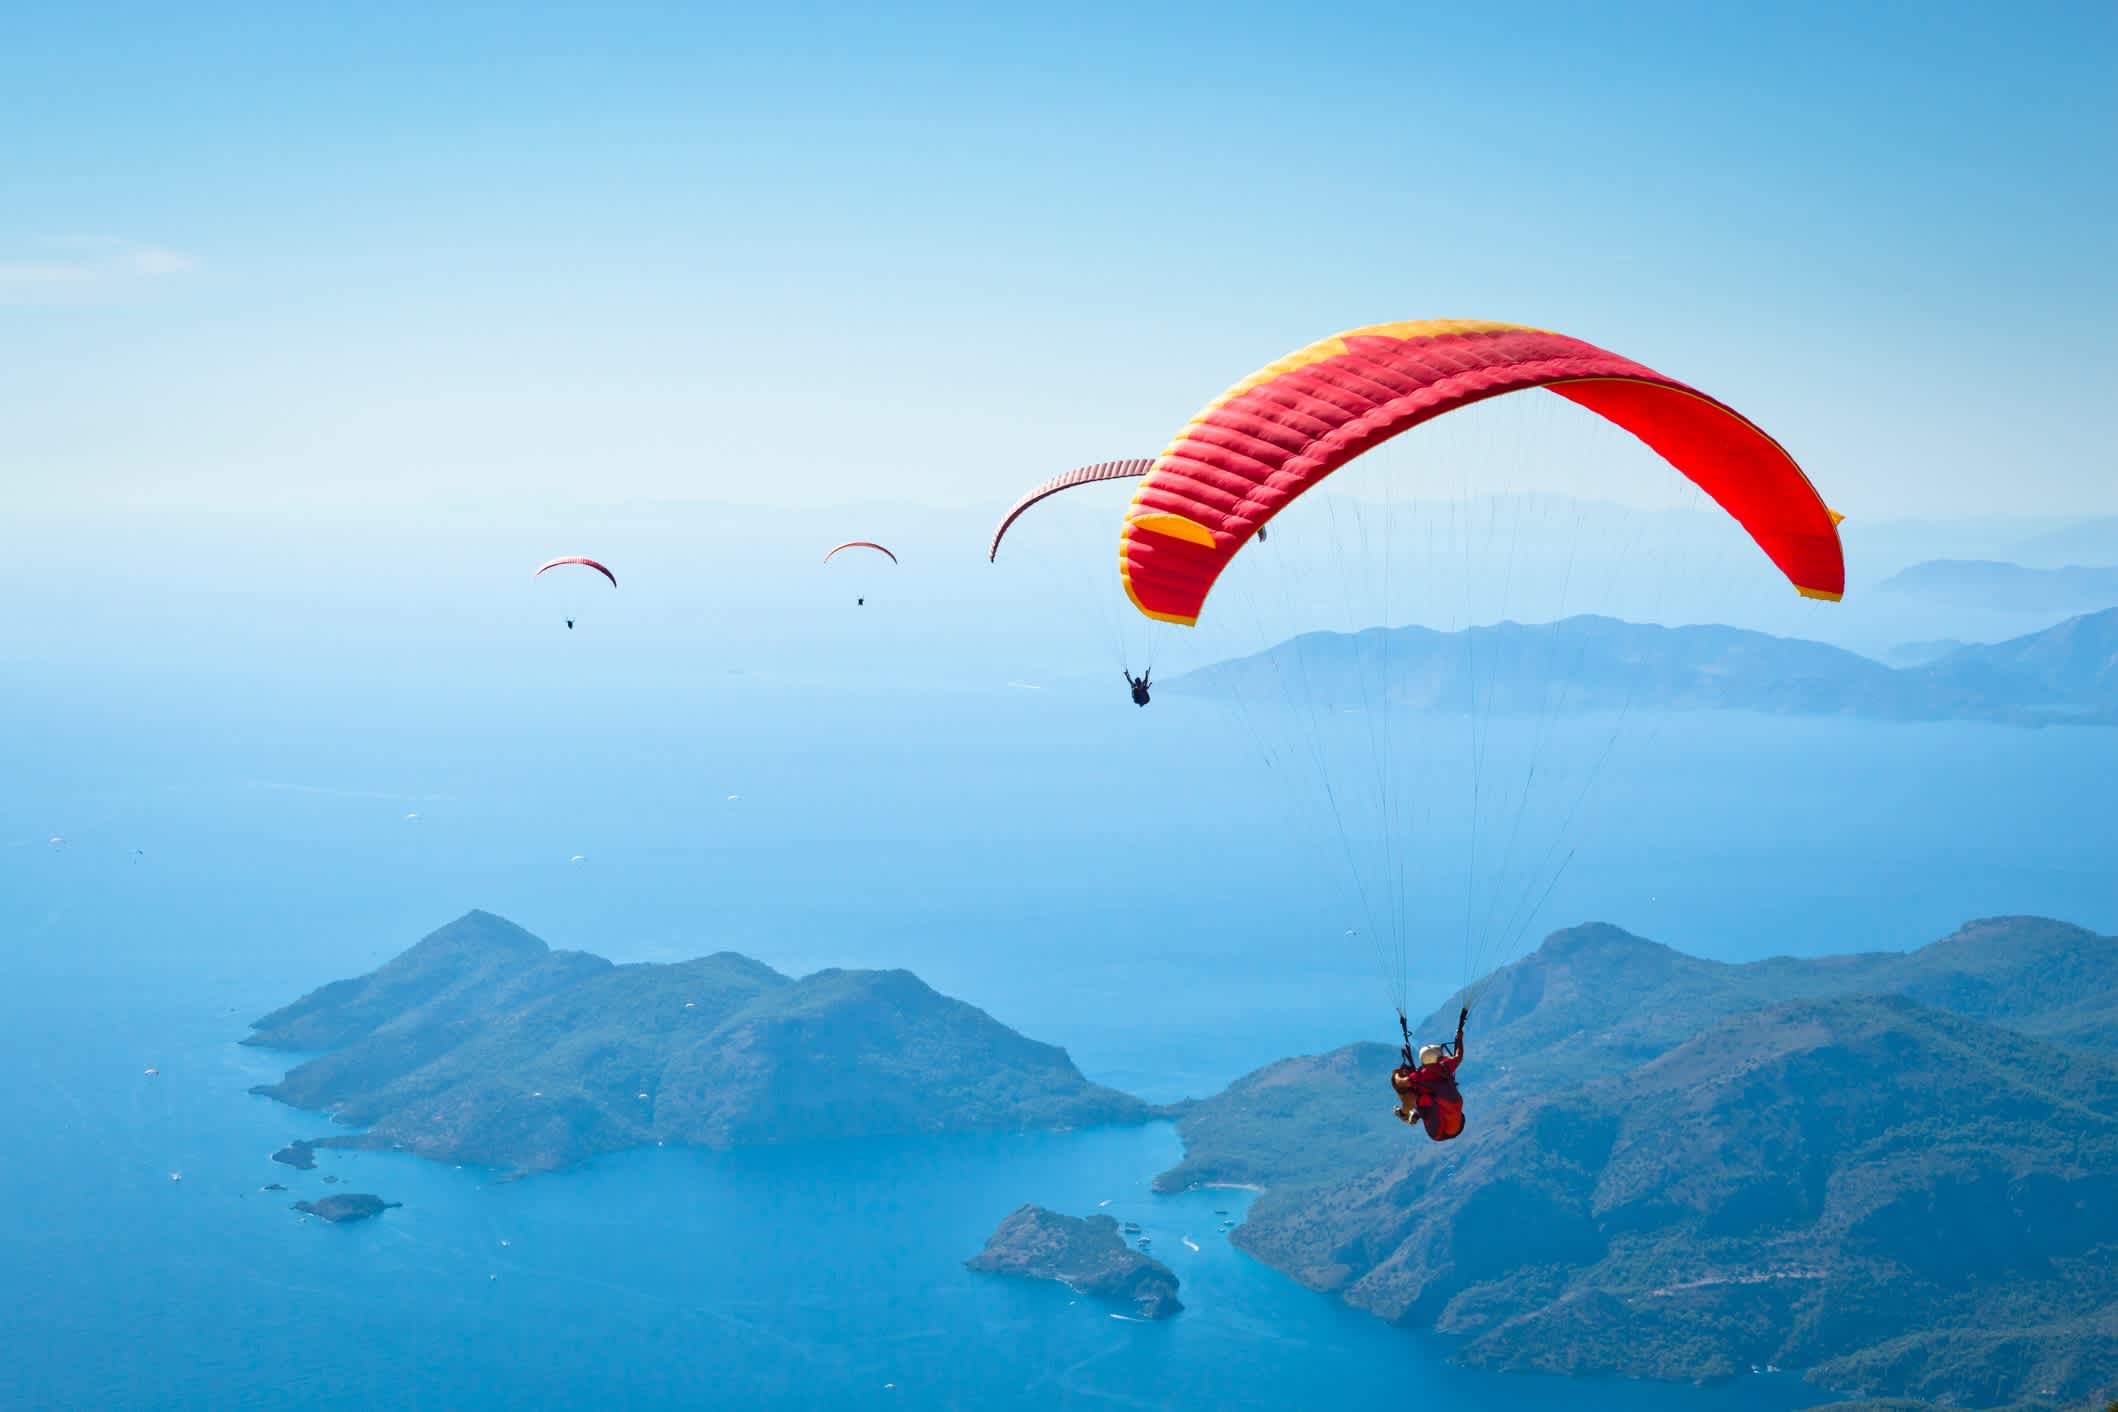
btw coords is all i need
(1088, 1255)
(483, 1045)
(345, 1206)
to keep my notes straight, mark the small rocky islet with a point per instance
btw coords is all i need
(342, 1207)
(1085, 1254)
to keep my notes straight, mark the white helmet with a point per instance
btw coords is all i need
(1429, 1054)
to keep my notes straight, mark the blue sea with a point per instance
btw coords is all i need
(1112, 880)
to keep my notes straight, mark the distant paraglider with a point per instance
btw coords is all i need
(837, 549)
(1101, 472)
(584, 562)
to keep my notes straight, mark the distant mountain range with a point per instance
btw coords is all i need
(1993, 585)
(2064, 674)
(481, 1044)
(1918, 654)
(1896, 1172)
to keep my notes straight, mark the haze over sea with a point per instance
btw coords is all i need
(313, 784)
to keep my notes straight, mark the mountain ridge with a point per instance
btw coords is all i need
(476, 1046)
(1678, 1168)
(2064, 674)
(1999, 584)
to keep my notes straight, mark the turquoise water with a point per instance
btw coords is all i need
(784, 1278)
(1000, 844)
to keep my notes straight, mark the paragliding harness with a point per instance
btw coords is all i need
(1138, 684)
(1428, 1094)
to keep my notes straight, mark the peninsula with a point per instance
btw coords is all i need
(483, 1045)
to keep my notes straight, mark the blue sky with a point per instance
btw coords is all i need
(397, 255)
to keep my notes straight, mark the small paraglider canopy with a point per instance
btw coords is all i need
(859, 544)
(577, 559)
(1082, 475)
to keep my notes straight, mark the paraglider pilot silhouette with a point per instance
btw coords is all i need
(1138, 684)
(1426, 1086)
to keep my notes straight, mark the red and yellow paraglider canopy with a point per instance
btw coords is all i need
(1283, 429)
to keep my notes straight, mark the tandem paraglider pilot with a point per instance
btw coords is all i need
(1426, 1086)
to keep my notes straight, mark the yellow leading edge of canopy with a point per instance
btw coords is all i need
(1335, 346)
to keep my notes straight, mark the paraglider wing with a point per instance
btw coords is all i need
(1084, 475)
(860, 544)
(577, 559)
(1283, 429)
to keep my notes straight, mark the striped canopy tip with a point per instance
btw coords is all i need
(1837, 519)
(1175, 526)
(1822, 595)
(860, 544)
(1131, 469)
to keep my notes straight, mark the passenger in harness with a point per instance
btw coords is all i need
(1426, 1086)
